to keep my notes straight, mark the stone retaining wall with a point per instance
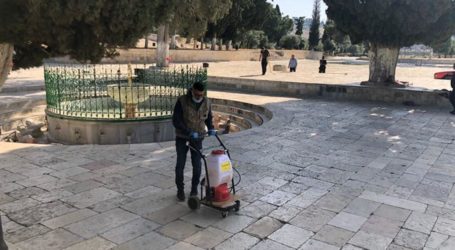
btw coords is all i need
(408, 96)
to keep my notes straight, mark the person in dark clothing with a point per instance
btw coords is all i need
(452, 93)
(264, 58)
(192, 114)
(322, 65)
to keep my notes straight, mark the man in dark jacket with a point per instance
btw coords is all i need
(452, 94)
(264, 58)
(192, 114)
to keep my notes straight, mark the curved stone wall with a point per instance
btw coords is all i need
(73, 131)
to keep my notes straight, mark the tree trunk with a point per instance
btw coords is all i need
(213, 43)
(162, 51)
(383, 64)
(220, 44)
(6, 61)
(229, 45)
(174, 42)
(202, 43)
(146, 43)
(3, 245)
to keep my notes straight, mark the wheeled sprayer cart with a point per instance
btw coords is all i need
(218, 186)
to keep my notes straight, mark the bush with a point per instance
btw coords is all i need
(356, 50)
(290, 42)
(254, 39)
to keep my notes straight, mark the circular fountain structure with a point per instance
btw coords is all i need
(112, 104)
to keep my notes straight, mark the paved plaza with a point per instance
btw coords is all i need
(319, 175)
(339, 71)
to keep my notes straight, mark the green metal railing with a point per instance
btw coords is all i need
(104, 92)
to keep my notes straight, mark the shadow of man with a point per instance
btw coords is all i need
(3, 245)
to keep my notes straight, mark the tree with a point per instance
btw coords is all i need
(315, 23)
(261, 15)
(299, 22)
(328, 42)
(290, 42)
(278, 10)
(391, 24)
(85, 30)
(445, 48)
(254, 39)
(191, 16)
(232, 26)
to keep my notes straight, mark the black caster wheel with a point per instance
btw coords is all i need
(224, 214)
(194, 203)
(237, 206)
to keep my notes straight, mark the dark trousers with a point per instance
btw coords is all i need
(452, 98)
(322, 69)
(292, 69)
(182, 151)
(264, 66)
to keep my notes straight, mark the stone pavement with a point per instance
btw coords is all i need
(319, 175)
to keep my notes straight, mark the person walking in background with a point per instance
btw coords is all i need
(322, 65)
(292, 64)
(452, 93)
(192, 113)
(264, 58)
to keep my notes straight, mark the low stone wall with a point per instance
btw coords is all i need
(407, 96)
(103, 132)
(75, 131)
(190, 56)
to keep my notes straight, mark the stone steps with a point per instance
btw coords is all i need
(33, 86)
(20, 120)
(18, 107)
(242, 115)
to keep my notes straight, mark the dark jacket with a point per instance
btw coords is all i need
(452, 82)
(191, 117)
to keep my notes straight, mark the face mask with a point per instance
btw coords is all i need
(197, 100)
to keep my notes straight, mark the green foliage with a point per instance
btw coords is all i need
(234, 24)
(315, 24)
(445, 48)
(394, 23)
(303, 44)
(299, 22)
(254, 39)
(329, 46)
(328, 43)
(248, 15)
(85, 30)
(331, 32)
(193, 16)
(290, 42)
(356, 49)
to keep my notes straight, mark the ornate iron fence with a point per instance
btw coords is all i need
(116, 92)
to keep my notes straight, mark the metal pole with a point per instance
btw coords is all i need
(3, 245)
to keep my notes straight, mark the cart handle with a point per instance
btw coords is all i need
(206, 135)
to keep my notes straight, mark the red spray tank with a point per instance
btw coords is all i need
(219, 168)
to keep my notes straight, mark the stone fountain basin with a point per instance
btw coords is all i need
(128, 94)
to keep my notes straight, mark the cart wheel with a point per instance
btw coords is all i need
(194, 203)
(224, 214)
(237, 206)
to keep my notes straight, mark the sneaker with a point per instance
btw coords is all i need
(452, 112)
(181, 195)
(192, 194)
